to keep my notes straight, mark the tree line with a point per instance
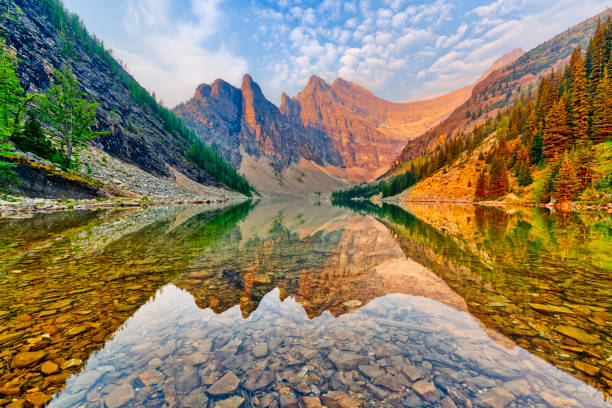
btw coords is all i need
(559, 126)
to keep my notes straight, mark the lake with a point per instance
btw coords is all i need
(306, 304)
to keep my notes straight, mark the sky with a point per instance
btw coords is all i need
(402, 50)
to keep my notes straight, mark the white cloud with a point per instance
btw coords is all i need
(497, 8)
(170, 58)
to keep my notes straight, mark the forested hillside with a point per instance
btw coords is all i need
(499, 89)
(132, 126)
(554, 143)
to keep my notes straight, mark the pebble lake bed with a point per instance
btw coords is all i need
(285, 304)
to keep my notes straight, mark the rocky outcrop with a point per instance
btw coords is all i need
(42, 182)
(137, 136)
(233, 118)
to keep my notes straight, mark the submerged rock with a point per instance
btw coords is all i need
(225, 385)
(28, 358)
(119, 396)
(233, 402)
(339, 399)
(346, 360)
(578, 334)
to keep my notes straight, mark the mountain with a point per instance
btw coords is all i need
(365, 130)
(235, 119)
(147, 143)
(499, 88)
(325, 138)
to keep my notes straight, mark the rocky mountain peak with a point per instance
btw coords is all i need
(315, 83)
(202, 91)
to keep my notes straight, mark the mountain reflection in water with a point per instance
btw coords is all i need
(285, 303)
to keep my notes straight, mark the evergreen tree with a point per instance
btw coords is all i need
(68, 112)
(498, 179)
(602, 108)
(12, 100)
(481, 186)
(580, 111)
(523, 177)
(595, 58)
(556, 132)
(566, 184)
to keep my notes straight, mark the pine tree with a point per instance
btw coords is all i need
(566, 184)
(524, 175)
(68, 112)
(12, 100)
(584, 156)
(498, 179)
(602, 108)
(580, 111)
(595, 57)
(556, 132)
(481, 186)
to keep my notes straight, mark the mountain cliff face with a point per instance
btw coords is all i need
(235, 119)
(500, 87)
(138, 135)
(329, 135)
(364, 129)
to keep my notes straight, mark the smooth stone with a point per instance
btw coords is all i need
(73, 362)
(10, 389)
(58, 379)
(346, 360)
(196, 399)
(28, 358)
(38, 399)
(49, 367)
(413, 372)
(578, 334)
(260, 350)
(196, 358)
(119, 396)
(371, 371)
(586, 368)
(225, 385)
(150, 377)
(85, 380)
(393, 383)
(187, 381)
(339, 399)
(289, 401)
(496, 398)
(426, 390)
(311, 402)
(550, 308)
(377, 392)
(233, 402)
(75, 331)
(259, 380)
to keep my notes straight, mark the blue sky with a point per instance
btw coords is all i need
(402, 50)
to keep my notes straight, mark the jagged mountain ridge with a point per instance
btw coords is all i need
(138, 136)
(364, 129)
(339, 133)
(233, 118)
(498, 89)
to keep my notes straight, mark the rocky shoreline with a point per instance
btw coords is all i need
(29, 206)
(570, 207)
